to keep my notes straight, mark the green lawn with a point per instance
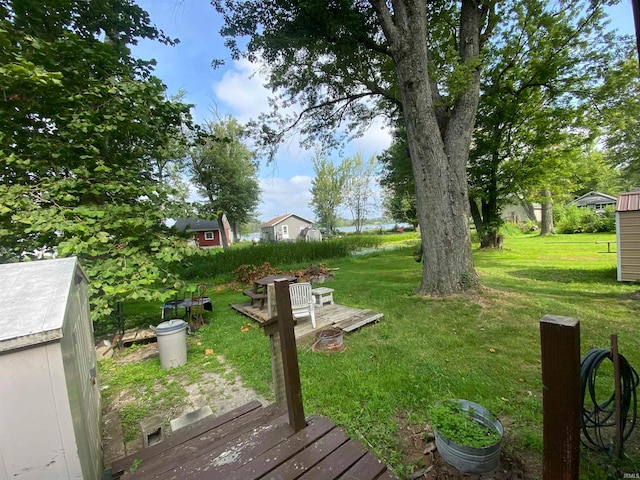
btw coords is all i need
(483, 347)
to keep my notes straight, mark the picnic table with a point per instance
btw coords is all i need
(259, 291)
(187, 304)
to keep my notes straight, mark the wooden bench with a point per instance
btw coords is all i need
(255, 296)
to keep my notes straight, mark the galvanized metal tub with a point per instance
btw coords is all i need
(329, 340)
(470, 459)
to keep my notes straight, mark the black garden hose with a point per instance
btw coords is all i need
(602, 417)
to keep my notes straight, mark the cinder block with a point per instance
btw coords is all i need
(152, 431)
(189, 418)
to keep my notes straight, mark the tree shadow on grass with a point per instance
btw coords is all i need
(564, 275)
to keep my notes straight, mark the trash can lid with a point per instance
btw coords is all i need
(171, 326)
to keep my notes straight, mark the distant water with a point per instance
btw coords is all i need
(365, 229)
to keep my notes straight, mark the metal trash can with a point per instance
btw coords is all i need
(172, 343)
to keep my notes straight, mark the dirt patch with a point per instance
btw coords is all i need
(222, 391)
(419, 449)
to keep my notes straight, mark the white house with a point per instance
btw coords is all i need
(595, 200)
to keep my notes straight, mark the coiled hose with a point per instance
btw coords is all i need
(602, 417)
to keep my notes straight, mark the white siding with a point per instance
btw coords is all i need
(34, 442)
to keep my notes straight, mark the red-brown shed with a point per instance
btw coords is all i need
(628, 236)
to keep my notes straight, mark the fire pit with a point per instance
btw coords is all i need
(329, 340)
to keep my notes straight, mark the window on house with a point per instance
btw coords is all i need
(285, 231)
(208, 235)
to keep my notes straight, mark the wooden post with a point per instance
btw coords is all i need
(615, 358)
(289, 356)
(560, 346)
(277, 372)
(272, 311)
(271, 330)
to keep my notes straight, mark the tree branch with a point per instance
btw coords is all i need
(386, 20)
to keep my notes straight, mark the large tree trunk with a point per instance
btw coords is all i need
(476, 216)
(223, 232)
(487, 224)
(439, 155)
(546, 225)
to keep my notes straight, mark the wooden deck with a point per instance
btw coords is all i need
(345, 318)
(254, 442)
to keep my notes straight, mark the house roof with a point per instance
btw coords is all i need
(281, 218)
(592, 198)
(628, 202)
(196, 225)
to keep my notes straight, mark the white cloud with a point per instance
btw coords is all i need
(281, 196)
(242, 90)
(375, 140)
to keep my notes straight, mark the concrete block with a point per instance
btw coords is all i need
(152, 431)
(189, 418)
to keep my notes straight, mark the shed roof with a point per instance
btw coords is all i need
(628, 202)
(196, 224)
(33, 301)
(281, 218)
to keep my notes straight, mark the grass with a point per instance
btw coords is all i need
(483, 347)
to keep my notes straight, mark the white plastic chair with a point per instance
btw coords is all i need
(302, 301)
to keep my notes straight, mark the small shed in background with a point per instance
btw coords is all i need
(285, 228)
(49, 396)
(206, 233)
(628, 236)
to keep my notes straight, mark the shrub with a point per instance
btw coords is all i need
(574, 219)
(211, 263)
(510, 228)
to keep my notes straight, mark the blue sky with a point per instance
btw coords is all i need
(236, 89)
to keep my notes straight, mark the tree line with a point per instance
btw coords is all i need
(488, 100)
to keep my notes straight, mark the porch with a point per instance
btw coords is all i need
(254, 442)
(258, 442)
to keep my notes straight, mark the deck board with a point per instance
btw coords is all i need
(334, 315)
(368, 467)
(189, 432)
(252, 444)
(336, 463)
(208, 441)
(220, 461)
(266, 462)
(294, 467)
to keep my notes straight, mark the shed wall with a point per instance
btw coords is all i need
(80, 373)
(49, 396)
(36, 438)
(628, 232)
(202, 242)
(268, 234)
(295, 227)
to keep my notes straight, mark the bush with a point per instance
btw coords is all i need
(574, 219)
(510, 228)
(211, 263)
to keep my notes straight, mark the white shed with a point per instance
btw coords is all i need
(49, 396)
